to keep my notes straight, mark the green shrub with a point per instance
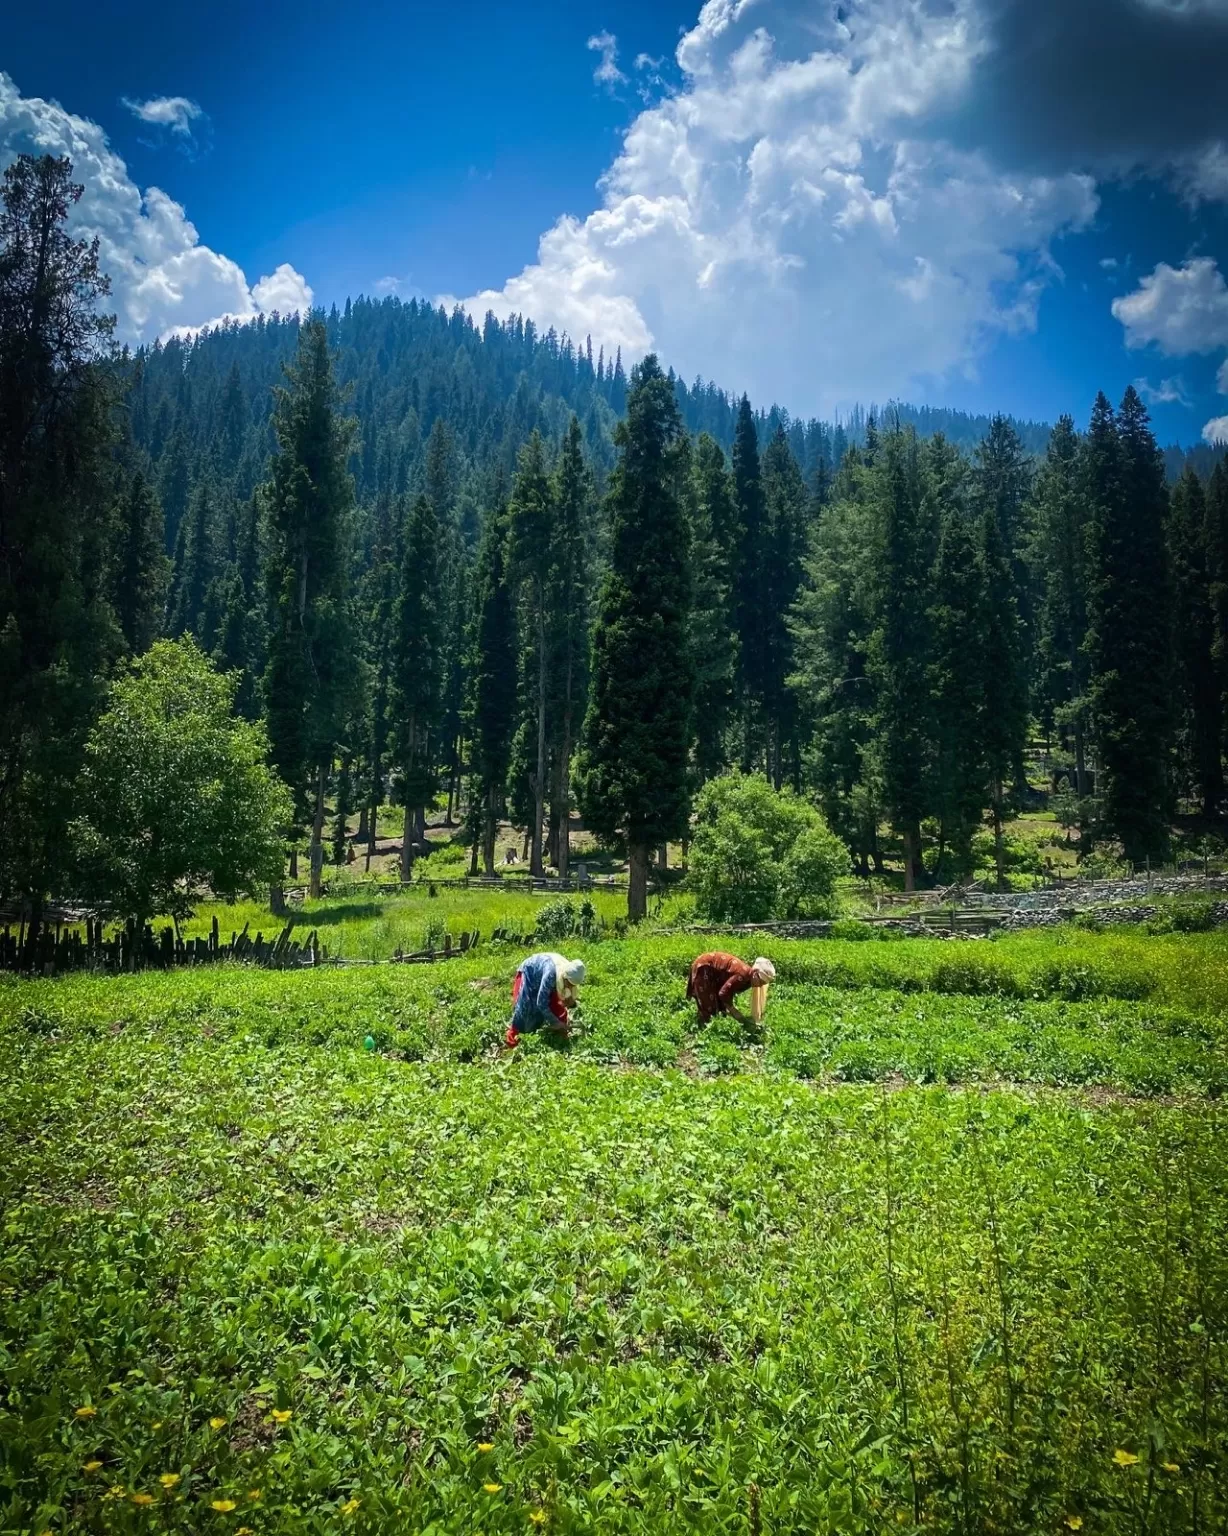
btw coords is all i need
(853, 928)
(760, 853)
(566, 920)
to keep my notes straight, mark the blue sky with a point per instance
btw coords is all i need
(816, 202)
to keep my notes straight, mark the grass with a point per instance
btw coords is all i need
(663, 1281)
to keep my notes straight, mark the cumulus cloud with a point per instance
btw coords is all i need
(163, 279)
(1178, 309)
(1216, 431)
(787, 221)
(607, 72)
(1166, 392)
(174, 112)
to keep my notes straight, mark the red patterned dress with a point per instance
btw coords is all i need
(716, 979)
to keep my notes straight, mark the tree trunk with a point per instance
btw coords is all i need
(686, 849)
(489, 831)
(407, 837)
(1080, 758)
(364, 817)
(637, 889)
(564, 853)
(317, 833)
(663, 856)
(536, 866)
(371, 821)
(998, 851)
(910, 860)
(277, 900)
(294, 863)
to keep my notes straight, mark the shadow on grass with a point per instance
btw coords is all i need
(335, 913)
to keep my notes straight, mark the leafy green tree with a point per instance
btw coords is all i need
(761, 853)
(310, 676)
(417, 671)
(633, 768)
(1129, 639)
(1201, 702)
(176, 795)
(493, 674)
(58, 634)
(142, 570)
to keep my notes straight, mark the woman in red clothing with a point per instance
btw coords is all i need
(717, 978)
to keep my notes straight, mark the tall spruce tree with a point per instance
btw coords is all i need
(1200, 702)
(1217, 584)
(417, 671)
(567, 606)
(633, 769)
(781, 573)
(533, 515)
(310, 674)
(713, 628)
(492, 671)
(58, 634)
(1129, 626)
(1004, 714)
(142, 569)
(901, 643)
(752, 614)
(1060, 518)
(956, 616)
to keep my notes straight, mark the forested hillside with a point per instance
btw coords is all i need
(489, 566)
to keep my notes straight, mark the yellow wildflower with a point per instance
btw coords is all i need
(1075, 1522)
(350, 1506)
(282, 1415)
(1125, 1458)
(169, 1479)
(253, 1493)
(158, 1425)
(493, 1487)
(244, 1530)
(87, 1412)
(143, 1499)
(537, 1516)
(1170, 1466)
(91, 1466)
(223, 1506)
(217, 1423)
(485, 1445)
(117, 1490)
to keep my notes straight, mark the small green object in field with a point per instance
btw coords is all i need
(369, 1043)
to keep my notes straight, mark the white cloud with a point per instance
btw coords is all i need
(174, 112)
(163, 279)
(1216, 431)
(783, 224)
(1109, 263)
(1179, 309)
(607, 72)
(1166, 392)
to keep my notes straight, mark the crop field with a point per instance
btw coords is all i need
(943, 1247)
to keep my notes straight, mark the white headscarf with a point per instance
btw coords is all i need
(764, 968)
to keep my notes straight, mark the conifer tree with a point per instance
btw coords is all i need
(1129, 629)
(1201, 704)
(1060, 514)
(633, 770)
(195, 564)
(532, 515)
(142, 569)
(713, 535)
(748, 587)
(310, 675)
(956, 617)
(900, 645)
(417, 671)
(1217, 582)
(567, 605)
(1004, 713)
(784, 540)
(492, 672)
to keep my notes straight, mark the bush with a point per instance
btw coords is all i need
(853, 928)
(566, 920)
(1185, 917)
(760, 853)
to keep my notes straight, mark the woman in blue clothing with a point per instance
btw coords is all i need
(543, 987)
